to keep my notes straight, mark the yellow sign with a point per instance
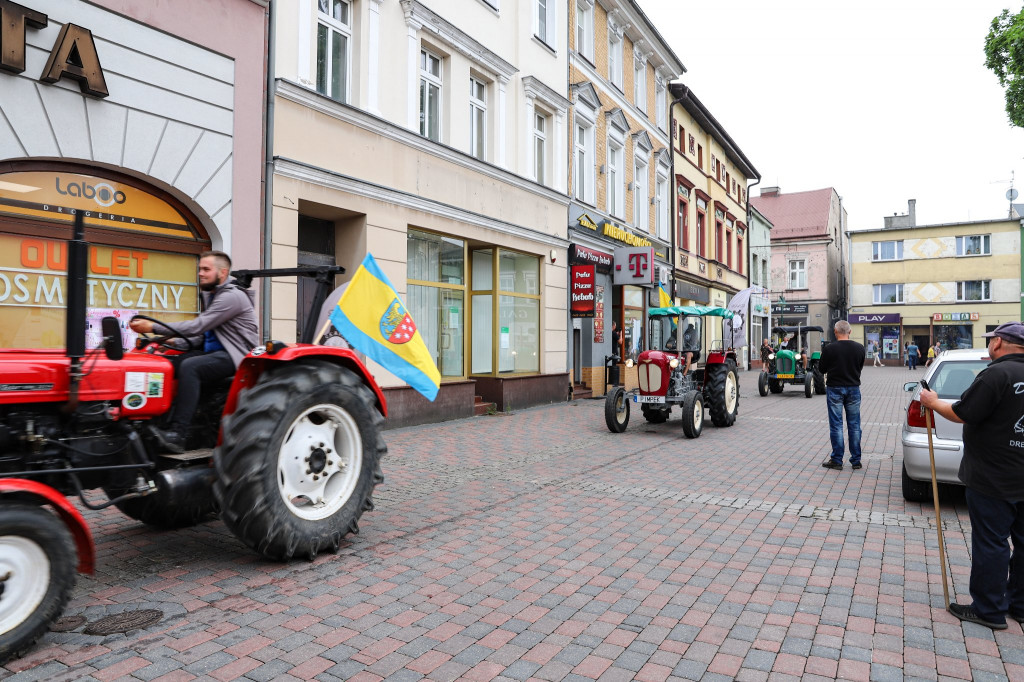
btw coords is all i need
(33, 287)
(57, 197)
(624, 236)
(585, 221)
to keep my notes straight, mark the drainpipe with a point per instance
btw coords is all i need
(750, 310)
(268, 182)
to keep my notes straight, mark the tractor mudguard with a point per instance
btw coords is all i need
(39, 493)
(261, 358)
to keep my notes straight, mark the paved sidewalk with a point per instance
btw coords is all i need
(541, 546)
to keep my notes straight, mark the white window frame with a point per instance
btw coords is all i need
(616, 177)
(585, 30)
(986, 245)
(662, 204)
(615, 52)
(986, 290)
(428, 79)
(640, 85)
(583, 173)
(877, 250)
(797, 271)
(660, 103)
(545, 30)
(879, 293)
(641, 198)
(540, 144)
(334, 27)
(477, 133)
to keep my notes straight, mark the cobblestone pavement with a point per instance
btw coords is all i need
(541, 546)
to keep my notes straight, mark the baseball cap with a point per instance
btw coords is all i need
(1008, 331)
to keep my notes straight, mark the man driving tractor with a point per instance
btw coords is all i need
(222, 334)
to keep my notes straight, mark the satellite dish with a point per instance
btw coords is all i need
(1011, 194)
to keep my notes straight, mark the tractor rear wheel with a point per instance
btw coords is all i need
(37, 567)
(616, 410)
(656, 415)
(762, 384)
(299, 460)
(722, 393)
(693, 414)
(819, 382)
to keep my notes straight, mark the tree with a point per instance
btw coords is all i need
(1004, 55)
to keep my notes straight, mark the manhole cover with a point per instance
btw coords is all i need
(67, 624)
(124, 622)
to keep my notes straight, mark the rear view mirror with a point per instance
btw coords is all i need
(112, 338)
(910, 386)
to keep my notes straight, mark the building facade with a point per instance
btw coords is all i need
(808, 264)
(712, 254)
(949, 283)
(760, 246)
(431, 134)
(148, 123)
(620, 218)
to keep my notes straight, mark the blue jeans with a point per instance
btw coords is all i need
(840, 397)
(997, 575)
(913, 361)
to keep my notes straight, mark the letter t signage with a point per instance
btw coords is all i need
(634, 265)
(14, 20)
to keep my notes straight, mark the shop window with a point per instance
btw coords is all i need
(640, 85)
(798, 274)
(333, 48)
(974, 290)
(633, 320)
(641, 207)
(436, 267)
(507, 337)
(477, 118)
(662, 216)
(430, 95)
(616, 185)
(540, 146)
(585, 30)
(886, 338)
(888, 293)
(891, 250)
(954, 336)
(615, 59)
(974, 245)
(583, 173)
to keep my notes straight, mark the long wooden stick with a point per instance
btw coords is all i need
(323, 330)
(938, 511)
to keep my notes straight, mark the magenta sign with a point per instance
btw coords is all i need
(874, 318)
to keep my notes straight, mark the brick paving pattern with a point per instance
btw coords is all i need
(539, 546)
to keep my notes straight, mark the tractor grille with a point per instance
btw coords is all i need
(650, 377)
(785, 364)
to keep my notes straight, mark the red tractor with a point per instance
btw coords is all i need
(287, 453)
(669, 374)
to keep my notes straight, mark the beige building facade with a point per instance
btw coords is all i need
(431, 134)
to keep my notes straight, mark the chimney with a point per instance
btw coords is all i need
(769, 191)
(912, 208)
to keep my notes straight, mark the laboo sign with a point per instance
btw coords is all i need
(634, 266)
(956, 317)
(581, 296)
(868, 318)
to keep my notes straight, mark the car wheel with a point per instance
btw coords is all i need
(915, 491)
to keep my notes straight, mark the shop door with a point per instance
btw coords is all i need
(577, 355)
(451, 316)
(316, 248)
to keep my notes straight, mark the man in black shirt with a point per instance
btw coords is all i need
(842, 362)
(992, 468)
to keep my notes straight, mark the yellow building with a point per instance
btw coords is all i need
(711, 175)
(949, 283)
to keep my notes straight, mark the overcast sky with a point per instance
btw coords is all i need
(884, 100)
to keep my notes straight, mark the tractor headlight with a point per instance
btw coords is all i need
(673, 363)
(629, 362)
(771, 356)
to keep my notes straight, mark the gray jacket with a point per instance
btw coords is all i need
(229, 312)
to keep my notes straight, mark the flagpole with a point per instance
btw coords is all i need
(323, 330)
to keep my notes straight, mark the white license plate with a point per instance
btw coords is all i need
(648, 398)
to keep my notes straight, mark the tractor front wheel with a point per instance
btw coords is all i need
(616, 410)
(722, 393)
(808, 385)
(693, 414)
(299, 460)
(762, 384)
(776, 385)
(37, 574)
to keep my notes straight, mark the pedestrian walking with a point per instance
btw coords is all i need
(875, 353)
(931, 355)
(990, 410)
(906, 354)
(842, 362)
(913, 353)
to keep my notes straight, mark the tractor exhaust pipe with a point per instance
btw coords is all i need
(74, 333)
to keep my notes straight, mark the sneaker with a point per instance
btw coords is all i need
(856, 466)
(829, 464)
(967, 613)
(170, 440)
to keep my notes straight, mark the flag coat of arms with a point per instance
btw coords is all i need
(374, 321)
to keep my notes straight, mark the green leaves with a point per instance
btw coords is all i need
(1004, 55)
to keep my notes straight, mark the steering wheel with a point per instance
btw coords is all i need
(162, 339)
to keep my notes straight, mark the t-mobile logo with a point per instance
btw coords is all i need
(638, 263)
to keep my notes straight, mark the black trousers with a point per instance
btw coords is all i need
(194, 369)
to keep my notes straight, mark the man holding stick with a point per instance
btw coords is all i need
(992, 468)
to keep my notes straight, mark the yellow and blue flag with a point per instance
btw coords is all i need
(664, 300)
(373, 320)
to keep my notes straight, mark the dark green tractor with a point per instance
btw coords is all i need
(793, 346)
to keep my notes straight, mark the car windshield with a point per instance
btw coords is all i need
(951, 378)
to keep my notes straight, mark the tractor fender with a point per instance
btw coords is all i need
(718, 357)
(261, 358)
(39, 493)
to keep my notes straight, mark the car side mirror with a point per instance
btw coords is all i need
(910, 386)
(112, 338)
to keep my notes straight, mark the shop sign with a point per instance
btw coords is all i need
(634, 266)
(956, 317)
(661, 255)
(585, 221)
(598, 313)
(581, 295)
(73, 54)
(868, 318)
(790, 308)
(693, 292)
(610, 229)
(760, 305)
(581, 255)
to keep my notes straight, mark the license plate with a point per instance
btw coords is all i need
(785, 376)
(648, 398)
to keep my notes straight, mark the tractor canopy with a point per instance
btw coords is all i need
(686, 310)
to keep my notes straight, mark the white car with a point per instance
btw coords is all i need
(949, 376)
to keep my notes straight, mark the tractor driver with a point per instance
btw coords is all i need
(690, 342)
(223, 333)
(794, 345)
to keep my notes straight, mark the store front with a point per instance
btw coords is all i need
(760, 329)
(881, 335)
(789, 314)
(954, 330)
